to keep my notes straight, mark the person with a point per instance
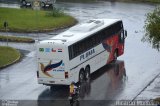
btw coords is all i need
(72, 88)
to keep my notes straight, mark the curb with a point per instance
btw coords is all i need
(15, 61)
(4, 40)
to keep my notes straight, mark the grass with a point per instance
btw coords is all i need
(81, 1)
(149, 1)
(16, 39)
(27, 20)
(8, 55)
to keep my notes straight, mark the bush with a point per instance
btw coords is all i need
(56, 12)
(152, 27)
(154, 1)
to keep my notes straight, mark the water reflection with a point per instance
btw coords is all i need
(85, 89)
(110, 80)
(117, 74)
(114, 75)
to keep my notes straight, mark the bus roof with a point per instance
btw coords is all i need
(81, 31)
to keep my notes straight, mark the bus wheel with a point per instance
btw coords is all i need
(87, 73)
(81, 76)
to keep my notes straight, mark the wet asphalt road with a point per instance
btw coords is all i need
(123, 80)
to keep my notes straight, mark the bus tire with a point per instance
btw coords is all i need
(81, 76)
(87, 72)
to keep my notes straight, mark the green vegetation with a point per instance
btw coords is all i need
(157, 101)
(153, 1)
(152, 26)
(149, 1)
(56, 13)
(16, 39)
(84, 1)
(8, 55)
(27, 20)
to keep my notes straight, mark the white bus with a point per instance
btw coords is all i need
(76, 53)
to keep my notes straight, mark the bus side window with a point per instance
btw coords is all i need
(109, 31)
(75, 50)
(71, 52)
(92, 42)
(81, 47)
(98, 38)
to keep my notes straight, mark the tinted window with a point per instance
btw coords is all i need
(93, 40)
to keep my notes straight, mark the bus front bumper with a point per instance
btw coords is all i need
(47, 81)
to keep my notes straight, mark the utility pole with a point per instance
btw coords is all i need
(5, 26)
(36, 7)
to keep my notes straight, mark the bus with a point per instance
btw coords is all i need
(79, 51)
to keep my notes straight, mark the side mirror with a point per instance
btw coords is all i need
(125, 33)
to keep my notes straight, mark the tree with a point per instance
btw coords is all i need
(152, 27)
